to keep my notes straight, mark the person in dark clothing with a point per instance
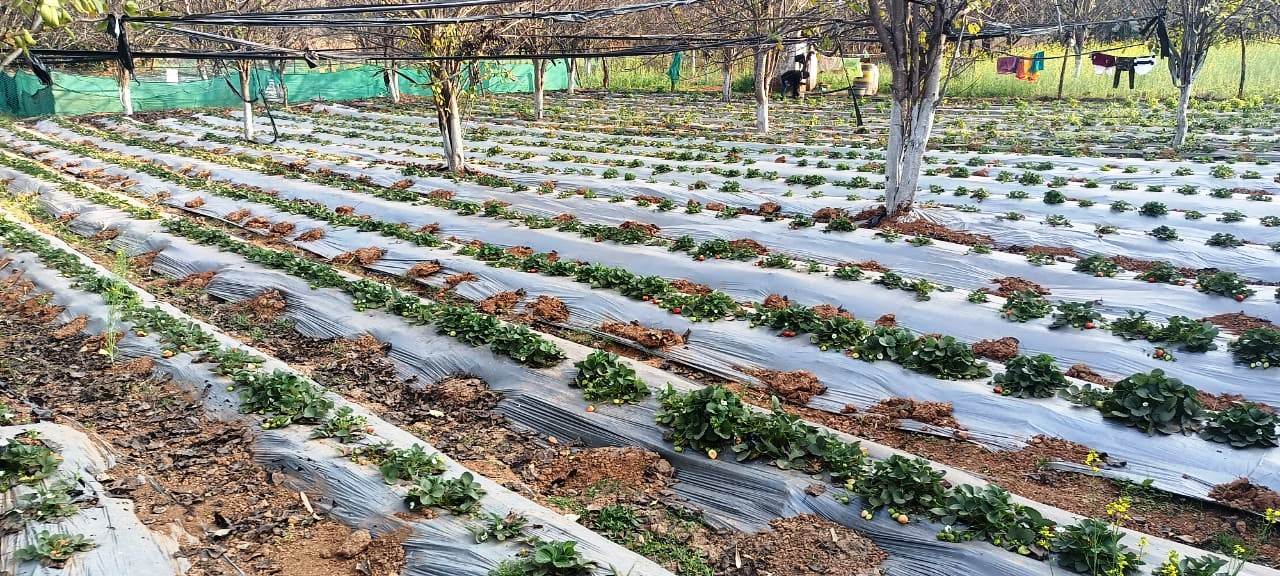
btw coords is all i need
(791, 80)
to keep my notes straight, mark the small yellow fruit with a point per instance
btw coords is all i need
(902, 519)
(712, 454)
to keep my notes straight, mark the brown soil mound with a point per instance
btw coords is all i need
(648, 229)
(1000, 349)
(797, 386)
(802, 546)
(403, 184)
(196, 281)
(108, 234)
(238, 215)
(627, 468)
(687, 287)
(826, 214)
(1053, 251)
(1011, 284)
(520, 251)
(424, 269)
(1132, 264)
(1243, 494)
(140, 366)
(257, 222)
(868, 266)
(143, 261)
(716, 206)
(826, 311)
(869, 213)
(266, 306)
(768, 208)
(749, 244)
(451, 282)
(564, 218)
(1238, 322)
(548, 309)
(431, 228)
(282, 228)
(888, 321)
(938, 232)
(66, 217)
(935, 413)
(776, 302)
(1083, 372)
(647, 198)
(1223, 401)
(196, 202)
(362, 256)
(500, 302)
(645, 336)
(75, 326)
(311, 235)
(440, 194)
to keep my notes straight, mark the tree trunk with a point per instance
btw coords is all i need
(604, 69)
(726, 80)
(762, 91)
(1184, 102)
(1240, 91)
(573, 70)
(1079, 50)
(449, 121)
(126, 91)
(910, 124)
(246, 104)
(1062, 74)
(393, 84)
(538, 66)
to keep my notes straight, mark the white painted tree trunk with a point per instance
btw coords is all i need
(126, 92)
(246, 104)
(393, 84)
(762, 92)
(449, 120)
(910, 124)
(573, 70)
(726, 79)
(1184, 104)
(538, 66)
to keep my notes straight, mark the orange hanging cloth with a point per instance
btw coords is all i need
(1024, 70)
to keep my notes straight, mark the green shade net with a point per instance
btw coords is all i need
(22, 94)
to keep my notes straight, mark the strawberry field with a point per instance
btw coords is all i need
(637, 338)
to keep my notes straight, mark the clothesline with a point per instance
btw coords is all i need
(1086, 53)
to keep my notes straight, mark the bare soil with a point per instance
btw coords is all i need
(796, 386)
(643, 335)
(1001, 349)
(1011, 284)
(548, 309)
(802, 546)
(1238, 322)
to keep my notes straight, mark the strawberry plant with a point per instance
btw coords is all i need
(1207, 565)
(840, 224)
(1153, 209)
(1191, 335)
(25, 459)
(467, 325)
(989, 514)
(526, 347)
(284, 397)
(1098, 265)
(1077, 315)
(1162, 271)
(1153, 402)
(409, 464)
(1243, 425)
(45, 502)
(1025, 305)
(891, 280)
(1093, 547)
(697, 307)
(945, 357)
(786, 440)
(1227, 284)
(704, 419)
(556, 559)
(1164, 233)
(54, 549)
(1135, 326)
(886, 343)
(458, 495)
(344, 426)
(839, 333)
(724, 249)
(500, 528)
(906, 484)
(601, 376)
(847, 272)
(1030, 377)
(1257, 348)
(1224, 240)
(791, 320)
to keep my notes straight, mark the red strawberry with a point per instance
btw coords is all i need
(998, 390)
(1159, 353)
(675, 309)
(1239, 297)
(1089, 325)
(701, 258)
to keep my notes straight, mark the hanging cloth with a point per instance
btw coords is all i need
(1143, 66)
(674, 71)
(1102, 63)
(1024, 68)
(1037, 62)
(1162, 34)
(1123, 64)
(1006, 65)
